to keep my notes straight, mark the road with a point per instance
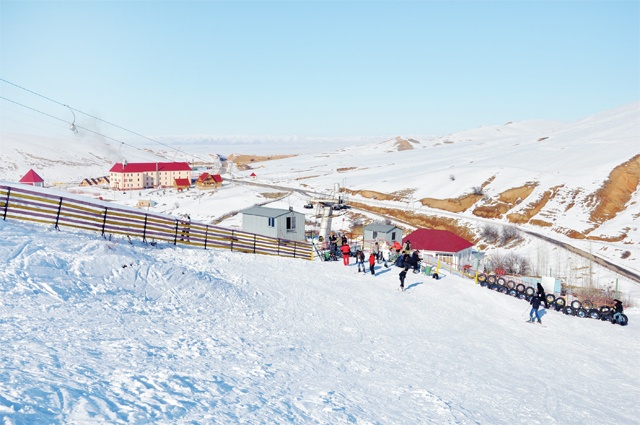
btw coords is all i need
(626, 273)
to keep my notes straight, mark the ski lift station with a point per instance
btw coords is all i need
(274, 222)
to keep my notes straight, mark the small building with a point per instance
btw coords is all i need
(378, 232)
(181, 184)
(275, 223)
(253, 176)
(443, 245)
(33, 179)
(147, 175)
(209, 181)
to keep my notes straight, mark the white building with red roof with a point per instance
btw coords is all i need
(442, 244)
(147, 175)
(33, 179)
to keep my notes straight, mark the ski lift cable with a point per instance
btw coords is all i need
(73, 126)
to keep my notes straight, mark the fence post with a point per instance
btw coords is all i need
(104, 221)
(6, 205)
(175, 236)
(254, 243)
(58, 216)
(232, 234)
(206, 233)
(295, 246)
(144, 230)
(278, 251)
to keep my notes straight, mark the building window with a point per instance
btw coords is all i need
(291, 224)
(375, 235)
(272, 222)
(393, 236)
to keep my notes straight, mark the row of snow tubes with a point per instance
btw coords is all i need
(577, 308)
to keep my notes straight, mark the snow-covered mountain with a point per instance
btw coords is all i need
(96, 330)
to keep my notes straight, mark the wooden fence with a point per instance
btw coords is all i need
(20, 203)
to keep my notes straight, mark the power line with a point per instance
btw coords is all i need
(94, 117)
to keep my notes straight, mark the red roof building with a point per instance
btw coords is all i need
(180, 184)
(32, 178)
(146, 175)
(441, 244)
(209, 181)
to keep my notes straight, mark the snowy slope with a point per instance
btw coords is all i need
(185, 335)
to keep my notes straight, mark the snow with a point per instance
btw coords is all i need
(97, 330)
(185, 335)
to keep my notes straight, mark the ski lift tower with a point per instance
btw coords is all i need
(335, 201)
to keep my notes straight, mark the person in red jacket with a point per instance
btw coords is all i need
(346, 253)
(372, 263)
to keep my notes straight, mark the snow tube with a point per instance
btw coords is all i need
(522, 295)
(483, 283)
(520, 287)
(501, 281)
(623, 320)
(530, 291)
(569, 311)
(561, 302)
(494, 286)
(594, 313)
(576, 304)
(510, 284)
(606, 316)
(491, 279)
(550, 298)
(605, 309)
(513, 292)
(581, 312)
(482, 278)
(502, 289)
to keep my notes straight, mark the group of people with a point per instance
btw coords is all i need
(540, 298)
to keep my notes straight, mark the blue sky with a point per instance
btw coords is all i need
(316, 68)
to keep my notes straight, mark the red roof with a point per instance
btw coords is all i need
(31, 177)
(148, 167)
(205, 176)
(182, 182)
(436, 240)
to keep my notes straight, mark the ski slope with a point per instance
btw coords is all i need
(104, 331)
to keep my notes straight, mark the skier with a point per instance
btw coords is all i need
(403, 275)
(617, 309)
(372, 263)
(360, 260)
(346, 252)
(542, 295)
(535, 305)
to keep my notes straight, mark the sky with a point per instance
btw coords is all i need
(313, 68)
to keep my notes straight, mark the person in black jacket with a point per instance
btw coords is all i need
(535, 305)
(542, 295)
(403, 275)
(617, 311)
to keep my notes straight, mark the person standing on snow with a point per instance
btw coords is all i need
(403, 275)
(346, 252)
(535, 305)
(372, 263)
(376, 251)
(360, 260)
